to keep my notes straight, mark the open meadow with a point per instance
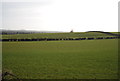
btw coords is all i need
(85, 59)
(58, 35)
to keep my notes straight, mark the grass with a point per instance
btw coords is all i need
(0, 57)
(88, 59)
(55, 35)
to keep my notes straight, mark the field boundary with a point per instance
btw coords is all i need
(62, 80)
(60, 39)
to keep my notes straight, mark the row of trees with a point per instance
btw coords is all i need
(7, 33)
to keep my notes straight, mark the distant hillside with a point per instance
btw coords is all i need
(108, 33)
(57, 35)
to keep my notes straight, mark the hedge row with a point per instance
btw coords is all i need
(58, 39)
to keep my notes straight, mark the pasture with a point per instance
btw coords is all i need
(88, 59)
(57, 35)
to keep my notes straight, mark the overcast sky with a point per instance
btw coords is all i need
(60, 15)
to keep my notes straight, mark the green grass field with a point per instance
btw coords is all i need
(88, 59)
(57, 35)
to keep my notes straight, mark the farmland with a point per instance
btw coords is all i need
(57, 35)
(88, 59)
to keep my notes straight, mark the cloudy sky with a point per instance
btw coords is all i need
(60, 15)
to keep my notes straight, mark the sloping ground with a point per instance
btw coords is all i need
(57, 35)
(109, 33)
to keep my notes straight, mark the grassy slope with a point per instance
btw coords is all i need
(55, 35)
(62, 59)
